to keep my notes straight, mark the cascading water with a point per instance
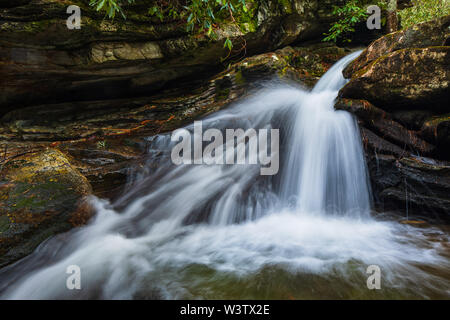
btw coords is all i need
(225, 231)
(325, 168)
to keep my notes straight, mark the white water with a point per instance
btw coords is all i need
(197, 231)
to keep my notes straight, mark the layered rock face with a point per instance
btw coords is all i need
(76, 105)
(95, 91)
(113, 81)
(399, 91)
(42, 61)
(104, 138)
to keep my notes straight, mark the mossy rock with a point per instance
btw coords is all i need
(406, 79)
(41, 195)
(427, 34)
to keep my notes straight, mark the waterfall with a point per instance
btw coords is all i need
(189, 231)
(325, 168)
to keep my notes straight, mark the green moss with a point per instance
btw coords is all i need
(286, 6)
(4, 223)
(239, 78)
(248, 21)
(424, 10)
(222, 94)
(36, 197)
(39, 26)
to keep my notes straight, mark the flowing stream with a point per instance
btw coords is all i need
(226, 231)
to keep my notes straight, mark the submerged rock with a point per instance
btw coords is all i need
(41, 195)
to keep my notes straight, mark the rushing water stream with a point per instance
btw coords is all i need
(225, 231)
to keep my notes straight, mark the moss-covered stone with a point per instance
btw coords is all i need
(404, 79)
(41, 195)
(427, 34)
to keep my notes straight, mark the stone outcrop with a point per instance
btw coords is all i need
(404, 79)
(77, 148)
(427, 34)
(94, 93)
(398, 90)
(381, 123)
(105, 137)
(41, 194)
(43, 62)
(405, 174)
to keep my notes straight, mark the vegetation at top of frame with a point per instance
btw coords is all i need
(424, 10)
(202, 16)
(205, 16)
(355, 11)
(110, 7)
(350, 14)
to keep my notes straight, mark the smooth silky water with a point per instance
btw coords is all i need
(226, 232)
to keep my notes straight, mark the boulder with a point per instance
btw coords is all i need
(41, 194)
(413, 78)
(423, 35)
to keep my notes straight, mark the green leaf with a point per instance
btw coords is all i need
(228, 44)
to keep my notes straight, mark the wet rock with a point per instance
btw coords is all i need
(427, 34)
(381, 123)
(419, 186)
(412, 119)
(41, 194)
(405, 72)
(105, 163)
(402, 181)
(405, 79)
(43, 62)
(105, 137)
(145, 116)
(88, 91)
(437, 130)
(375, 145)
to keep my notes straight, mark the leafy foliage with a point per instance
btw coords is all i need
(424, 10)
(205, 16)
(349, 15)
(352, 13)
(201, 16)
(111, 7)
